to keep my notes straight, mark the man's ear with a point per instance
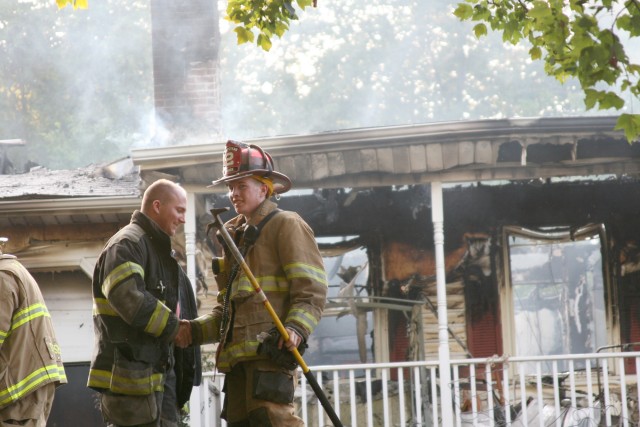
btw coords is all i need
(156, 206)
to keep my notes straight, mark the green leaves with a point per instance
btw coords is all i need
(577, 45)
(464, 11)
(243, 35)
(77, 4)
(603, 99)
(630, 123)
(480, 30)
(535, 53)
(266, 17)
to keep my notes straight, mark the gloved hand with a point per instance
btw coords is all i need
(281, 356)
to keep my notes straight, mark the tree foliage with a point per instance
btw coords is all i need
(354, 64)
(574, 38)
(582, 39)
(349, 64)
(268, 18)
(77, 4)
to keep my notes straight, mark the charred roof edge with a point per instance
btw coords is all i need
(176, 156)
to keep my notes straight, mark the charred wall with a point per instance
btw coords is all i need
(404, 214)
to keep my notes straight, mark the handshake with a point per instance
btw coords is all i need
(183, 339)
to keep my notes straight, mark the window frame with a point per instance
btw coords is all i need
(555, 234)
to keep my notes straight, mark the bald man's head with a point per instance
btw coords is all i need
(165, 202)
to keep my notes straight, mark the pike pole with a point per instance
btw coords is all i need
(285, 335)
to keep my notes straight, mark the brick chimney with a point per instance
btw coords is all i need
(185, 40)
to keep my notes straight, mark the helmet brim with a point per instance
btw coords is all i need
(281, 182)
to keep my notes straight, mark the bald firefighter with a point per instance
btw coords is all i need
(281, 252)
(140, 294)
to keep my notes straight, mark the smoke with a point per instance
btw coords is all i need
(351, 64)
(78, 86)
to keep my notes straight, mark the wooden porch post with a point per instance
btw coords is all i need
(190, 238)
(437, 216)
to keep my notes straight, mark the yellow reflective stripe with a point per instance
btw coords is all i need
(267, 284)
(102, 306)
(209, 328)
(3, 336)
(298, 270)
(158, 320)
(61, 373)
(302, 317)
(120, 273)
(137, 386)
(27, 314)
(31, 382)
(238, 351)
(99, 378)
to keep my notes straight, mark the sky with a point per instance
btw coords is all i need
(342, 65)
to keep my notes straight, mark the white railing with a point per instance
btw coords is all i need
(599, 389)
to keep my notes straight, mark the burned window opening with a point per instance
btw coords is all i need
(594, 149)
(556, 290)
(477, 271)
(345, 332)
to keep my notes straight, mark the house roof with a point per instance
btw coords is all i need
(446, 152)
(117, 179)
(68, 198)
(90, 203)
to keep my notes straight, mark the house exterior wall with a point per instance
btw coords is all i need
(68, 298)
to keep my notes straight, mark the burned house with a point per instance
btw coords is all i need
(535, 220)
(540, 237)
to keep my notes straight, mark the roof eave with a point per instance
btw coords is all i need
(68, 205)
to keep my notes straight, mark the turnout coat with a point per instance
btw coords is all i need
(137, 286)
(30, 355)
(287, 265)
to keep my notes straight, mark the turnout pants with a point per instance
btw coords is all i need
(123, 410)
(260, 394)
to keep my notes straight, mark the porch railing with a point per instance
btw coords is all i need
(599, 389)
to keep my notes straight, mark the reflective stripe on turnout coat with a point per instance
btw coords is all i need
(287, 264)
(135, 296)
(30, 355)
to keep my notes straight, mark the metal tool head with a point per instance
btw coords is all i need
(215, 212)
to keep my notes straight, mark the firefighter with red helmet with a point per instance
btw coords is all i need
(280, 250)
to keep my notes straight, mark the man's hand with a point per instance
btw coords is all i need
(294, 340)
(183, 339)
(275, 348)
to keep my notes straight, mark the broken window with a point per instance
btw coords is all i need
(556, 292)
(344, 334)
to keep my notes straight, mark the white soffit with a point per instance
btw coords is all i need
(62, 256)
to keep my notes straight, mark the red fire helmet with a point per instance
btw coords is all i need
(241, 160)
